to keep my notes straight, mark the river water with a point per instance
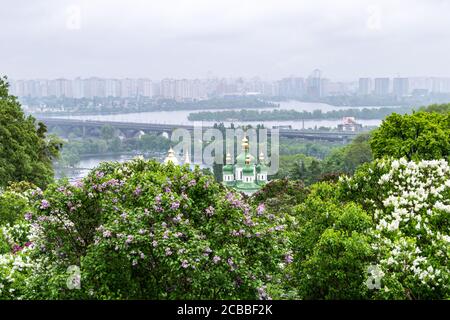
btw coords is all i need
(181, 117)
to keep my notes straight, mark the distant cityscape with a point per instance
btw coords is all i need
(315, 86)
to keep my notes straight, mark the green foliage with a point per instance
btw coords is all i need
(12, 207)
(348, 158)
(421, 135)
(438, 108)
(145, 230)
(339, 161)
(331, 248)
(75, 148)
(26, 153)
(290, 115)
(281, 195)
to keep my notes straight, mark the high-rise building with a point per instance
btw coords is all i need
(145, 88)
(382, 86)
(314, 84)
(168, 88)
(401, 87)
(291, 87)
(365, 86)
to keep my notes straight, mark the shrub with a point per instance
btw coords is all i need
(142, 230)
(410, 204)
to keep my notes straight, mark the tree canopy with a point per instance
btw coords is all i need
(421, 135)
(26, 152)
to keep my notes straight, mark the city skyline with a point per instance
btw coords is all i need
(194, 39)
(313, 86)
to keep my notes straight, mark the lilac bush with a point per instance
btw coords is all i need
(146, 230)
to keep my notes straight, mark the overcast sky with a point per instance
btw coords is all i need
(346, 39)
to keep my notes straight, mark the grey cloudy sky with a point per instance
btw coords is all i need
(189, 38)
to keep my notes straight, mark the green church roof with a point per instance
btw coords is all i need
(228, 168)
(248, 170)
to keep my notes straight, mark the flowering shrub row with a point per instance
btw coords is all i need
(143, 230)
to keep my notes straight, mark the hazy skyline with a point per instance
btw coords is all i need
(189, 39)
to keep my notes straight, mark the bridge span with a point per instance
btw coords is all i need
(130, 128)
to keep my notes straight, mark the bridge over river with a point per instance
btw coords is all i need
(90, 127)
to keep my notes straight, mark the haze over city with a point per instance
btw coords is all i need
(199, 39)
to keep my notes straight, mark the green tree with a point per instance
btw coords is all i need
(421, 135)
(26, 152)
(107, 132)
(331, 247)
(439, 108)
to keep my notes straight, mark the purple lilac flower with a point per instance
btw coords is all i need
(248, 222)
(216, 259)
(177, 219)
(168, 252)
(260, 209)
(192, 183)
(288, 258)
(28, 216)
(167, 190)
(185, 264)
(154, 243)
(137, 192)
(175, 205)
(45, 204)
(142, 256)
(100, 174)
(79, 184)
(106, 234)
(141, 231)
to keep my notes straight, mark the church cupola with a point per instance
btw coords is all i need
(171, 157)
(227, 170)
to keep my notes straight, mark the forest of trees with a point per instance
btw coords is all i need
(292, 115)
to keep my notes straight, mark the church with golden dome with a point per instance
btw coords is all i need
(245, 174)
